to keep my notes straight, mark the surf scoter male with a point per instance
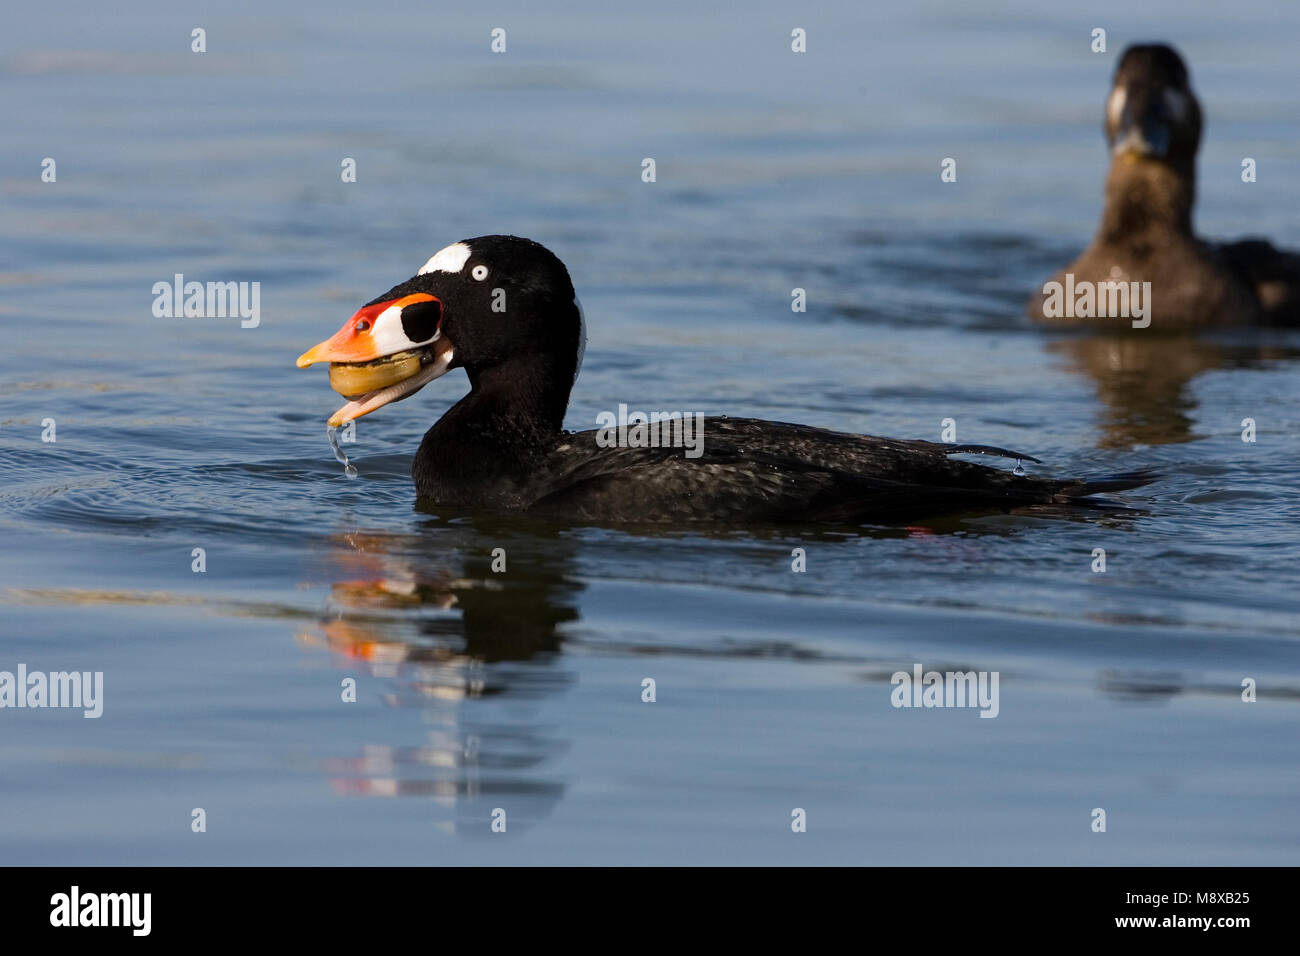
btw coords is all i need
(1153, 127)
(504, 309)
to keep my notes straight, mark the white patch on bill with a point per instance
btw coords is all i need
(451, 259)
(387, 333)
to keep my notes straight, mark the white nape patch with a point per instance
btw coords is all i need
(1178, 104)
(582, 337)
(1115, 105)
(451, 259)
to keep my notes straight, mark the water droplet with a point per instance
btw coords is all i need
(1019, 469)
(348, 468)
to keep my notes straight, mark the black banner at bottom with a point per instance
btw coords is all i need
(339, 904)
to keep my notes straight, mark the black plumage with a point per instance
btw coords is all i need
(502, 447)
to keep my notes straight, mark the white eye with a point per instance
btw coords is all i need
(479, 273)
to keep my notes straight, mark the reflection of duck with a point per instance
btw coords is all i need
(504, 309)
(1143, 381)
(449, 645)
(1153, 126)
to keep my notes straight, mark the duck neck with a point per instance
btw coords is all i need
(512, 415)
(523, 398)
(1147, 202)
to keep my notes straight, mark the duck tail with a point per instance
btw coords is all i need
(1103, 484)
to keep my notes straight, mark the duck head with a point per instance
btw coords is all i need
(1152, 113)
(501, 307)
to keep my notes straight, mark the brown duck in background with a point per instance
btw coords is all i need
(1153, 125)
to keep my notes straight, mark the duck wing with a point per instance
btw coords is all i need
(1273, 273)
